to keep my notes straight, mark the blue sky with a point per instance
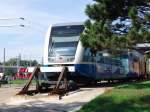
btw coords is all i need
(38, 14)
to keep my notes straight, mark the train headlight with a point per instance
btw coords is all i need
(51, 59)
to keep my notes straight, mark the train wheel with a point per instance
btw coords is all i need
(72, 85)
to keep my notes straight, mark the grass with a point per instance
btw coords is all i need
(133, 97)
(20, 81)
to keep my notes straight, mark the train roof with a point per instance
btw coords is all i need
(69, 23)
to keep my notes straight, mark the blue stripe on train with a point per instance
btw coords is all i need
(104, 71)
(87, 70)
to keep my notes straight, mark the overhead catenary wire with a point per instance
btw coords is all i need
(15, 23)
(13, 18)
(26, 23)
(21, 25)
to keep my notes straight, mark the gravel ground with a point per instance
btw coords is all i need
(7, 91)
(43, 103)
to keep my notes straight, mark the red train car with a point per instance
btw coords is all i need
(22, 74)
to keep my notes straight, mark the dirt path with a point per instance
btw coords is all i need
(69, 103)
(6, 92)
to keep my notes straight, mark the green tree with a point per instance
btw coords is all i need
(11, 62)
(116, 24)
(25, 63)
(9, 72)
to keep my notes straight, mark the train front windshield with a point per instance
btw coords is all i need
(64, 41)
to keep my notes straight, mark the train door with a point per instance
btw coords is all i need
(148, 66)
(136, 67)
(87, 67)
(103, 67)
(139, 66)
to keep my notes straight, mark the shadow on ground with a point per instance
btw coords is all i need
(41, 107)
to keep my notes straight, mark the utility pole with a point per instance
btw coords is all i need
(42, 62)
(18, 61)
(4, 63)
(30, 61)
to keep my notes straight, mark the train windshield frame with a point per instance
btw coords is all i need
(64, 40)
(67, 31)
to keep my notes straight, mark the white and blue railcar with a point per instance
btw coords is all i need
(64, 48)
(62, 44)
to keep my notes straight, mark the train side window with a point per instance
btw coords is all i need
(87, 56)
(99, 58)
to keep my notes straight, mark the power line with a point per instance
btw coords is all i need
(21, 25)
(24, 19)
(13, 25)
(21, 18)
(27, 23)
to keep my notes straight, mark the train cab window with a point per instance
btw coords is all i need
(64, 40)
(63, 49)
